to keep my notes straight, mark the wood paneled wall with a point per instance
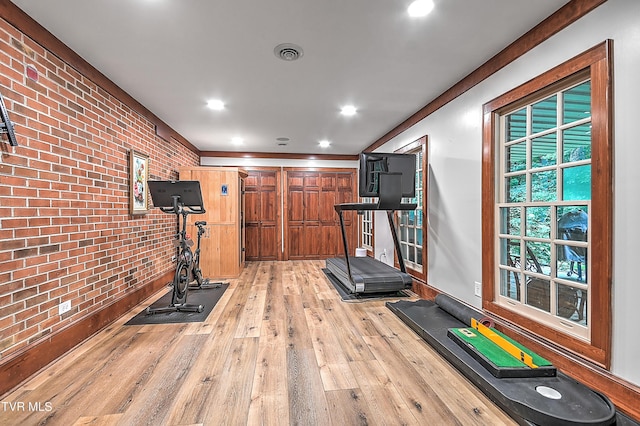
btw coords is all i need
(289, 212)
(221, 246)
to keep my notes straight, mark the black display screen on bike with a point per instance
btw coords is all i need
(188, 192)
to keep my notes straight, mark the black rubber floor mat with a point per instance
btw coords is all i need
(206, 297)
(534, 400)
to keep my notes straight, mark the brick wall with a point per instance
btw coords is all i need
(66, 231)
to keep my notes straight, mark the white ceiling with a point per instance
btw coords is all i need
(174, 55)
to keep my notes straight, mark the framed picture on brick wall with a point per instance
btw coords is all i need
(138, 175)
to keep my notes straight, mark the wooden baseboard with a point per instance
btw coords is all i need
(424, 290)
(23, 364)
(623, 394)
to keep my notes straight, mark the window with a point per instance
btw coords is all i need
(411, 224)
(543, 209)
(366, 225)
(547, 204)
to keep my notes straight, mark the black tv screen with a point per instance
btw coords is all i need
(372, 164)
(163, 191)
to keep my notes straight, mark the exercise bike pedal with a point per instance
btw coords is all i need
(206, 284)
(175, 308)
(189, 308)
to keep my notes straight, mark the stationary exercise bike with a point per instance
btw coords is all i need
(181, 198)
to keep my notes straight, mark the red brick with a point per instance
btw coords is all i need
(10, 309)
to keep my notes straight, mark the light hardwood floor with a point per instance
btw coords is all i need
(279, 348)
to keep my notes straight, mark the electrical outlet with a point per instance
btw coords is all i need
(64, 307)
(478, 289)
(383, 255)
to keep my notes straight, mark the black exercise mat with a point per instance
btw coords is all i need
(347, 296)
(206, 297)
(521, 398)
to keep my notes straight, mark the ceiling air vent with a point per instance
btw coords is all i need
(288, 52)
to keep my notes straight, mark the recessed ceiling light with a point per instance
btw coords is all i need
(348, 110)
(216, 104)
(420, 8)
(324, 144)
(237, 140)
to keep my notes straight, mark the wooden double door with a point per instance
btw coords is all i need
(290, 213)
(313, 226)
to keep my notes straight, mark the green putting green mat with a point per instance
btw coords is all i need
(498, 361)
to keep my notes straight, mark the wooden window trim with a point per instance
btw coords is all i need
(598, 61)
(421, 144)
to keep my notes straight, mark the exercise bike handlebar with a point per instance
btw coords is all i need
(180, 209)
(194, 209)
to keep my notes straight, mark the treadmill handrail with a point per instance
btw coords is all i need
(372, 206)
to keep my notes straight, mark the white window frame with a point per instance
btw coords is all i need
(366, 226)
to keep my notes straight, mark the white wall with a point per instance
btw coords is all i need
(384, 247)
(454, 187)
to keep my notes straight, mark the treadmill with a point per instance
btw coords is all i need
(360, 275)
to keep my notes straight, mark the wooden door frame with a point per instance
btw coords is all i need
(285, 185)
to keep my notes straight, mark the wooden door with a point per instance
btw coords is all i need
(313, 226)
(243, 230)
(262, 204)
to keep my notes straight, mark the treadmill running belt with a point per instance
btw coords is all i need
(369, 275)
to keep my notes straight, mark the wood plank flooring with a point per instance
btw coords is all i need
(279, 348)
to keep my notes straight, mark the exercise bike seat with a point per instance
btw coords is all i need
(201, 223)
